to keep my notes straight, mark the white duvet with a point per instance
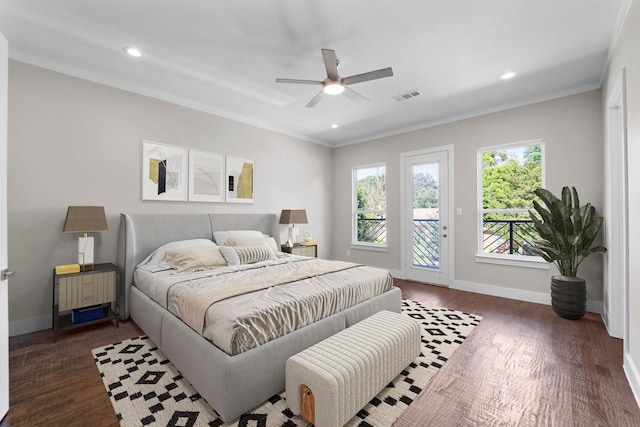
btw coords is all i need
(245, 321)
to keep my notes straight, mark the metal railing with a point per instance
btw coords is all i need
(508, 236)
(372, 230)
(500, 236)
(426, 243)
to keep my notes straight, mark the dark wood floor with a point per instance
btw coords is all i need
(522, 366)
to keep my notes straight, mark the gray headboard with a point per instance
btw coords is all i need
(141, 234)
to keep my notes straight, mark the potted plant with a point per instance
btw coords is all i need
(567, 232)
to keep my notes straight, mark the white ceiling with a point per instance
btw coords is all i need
(223, 56)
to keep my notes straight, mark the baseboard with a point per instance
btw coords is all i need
(516, 294)
(633, 376)
(25, 326)
(397, 274)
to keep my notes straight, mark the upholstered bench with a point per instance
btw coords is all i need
(328, 383)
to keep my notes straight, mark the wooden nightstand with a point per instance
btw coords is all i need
(304, 250)
(97, 287)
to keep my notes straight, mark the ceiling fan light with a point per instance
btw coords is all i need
(333, 88)
(133, 51)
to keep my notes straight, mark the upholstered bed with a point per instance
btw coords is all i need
(231, 384)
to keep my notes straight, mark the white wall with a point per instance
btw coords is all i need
(626, 55)
(572, 130)
(72, 142)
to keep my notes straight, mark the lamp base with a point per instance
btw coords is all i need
(289, 242)
(85, 251)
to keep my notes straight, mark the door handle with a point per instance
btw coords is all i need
(5, 274)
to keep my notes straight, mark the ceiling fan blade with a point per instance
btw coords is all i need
(315, 99)
(350, 93)
(330, 63)
(298, 81)
(371, 75)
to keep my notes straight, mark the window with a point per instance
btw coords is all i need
(509, 174)
(370, 204)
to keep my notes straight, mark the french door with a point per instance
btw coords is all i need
(425, 216)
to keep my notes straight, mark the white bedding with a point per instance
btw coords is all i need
(245, 321)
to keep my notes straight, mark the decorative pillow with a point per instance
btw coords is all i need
(236, 255)
(156, 262)
(221, 236)
(195, 259)
(253, 241)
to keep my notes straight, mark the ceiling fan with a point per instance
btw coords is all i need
(334, 84)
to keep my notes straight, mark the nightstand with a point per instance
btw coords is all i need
(304, 250)
(96, 288)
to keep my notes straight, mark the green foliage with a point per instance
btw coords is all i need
(371, 193)
(426, 193)
(508, 182)
(567, 230)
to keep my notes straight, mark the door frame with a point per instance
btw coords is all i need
(405, 230)
(616, 267)
(4, 284)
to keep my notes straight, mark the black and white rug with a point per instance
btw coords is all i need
(146, 389)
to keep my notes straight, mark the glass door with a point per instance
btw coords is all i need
(426, 218)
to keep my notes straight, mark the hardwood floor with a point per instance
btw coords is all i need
(522, 366)
(57, 384)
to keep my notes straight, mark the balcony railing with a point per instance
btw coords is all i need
(372, 230)
(508, 236)
(500, 236)
(426, 243)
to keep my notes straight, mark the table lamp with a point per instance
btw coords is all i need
(292, 217)
(85, 219)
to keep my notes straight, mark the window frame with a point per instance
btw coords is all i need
(529, 261)
(355, 243)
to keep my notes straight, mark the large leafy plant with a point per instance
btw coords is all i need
(567, 230)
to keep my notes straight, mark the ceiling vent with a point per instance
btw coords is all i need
(408, 95)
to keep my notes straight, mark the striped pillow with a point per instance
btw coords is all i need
(236, 255)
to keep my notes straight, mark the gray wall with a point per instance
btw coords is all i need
(76, 142)
(72, 142)
(626, 55)
(572, 130)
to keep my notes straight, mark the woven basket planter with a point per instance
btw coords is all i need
(569, 296)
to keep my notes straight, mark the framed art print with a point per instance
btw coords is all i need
(240, 180)
(164, 172)
(206, 176)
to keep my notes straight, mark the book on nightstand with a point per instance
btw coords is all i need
(67, 268)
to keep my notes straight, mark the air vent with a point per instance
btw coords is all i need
(408, 95)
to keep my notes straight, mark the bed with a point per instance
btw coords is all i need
(231, 384)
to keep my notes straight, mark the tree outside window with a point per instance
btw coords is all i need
(370, 202)
(509, 176)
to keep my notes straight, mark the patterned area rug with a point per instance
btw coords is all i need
(146, 389)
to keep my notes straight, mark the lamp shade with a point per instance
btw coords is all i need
(293, 216)
(85, 219)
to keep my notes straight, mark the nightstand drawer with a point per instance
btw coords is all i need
(303, 250)
(82, 290)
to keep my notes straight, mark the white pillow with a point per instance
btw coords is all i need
(236, 255)
(156, 262)
(195, 258)
(221, 236)
(252, 241)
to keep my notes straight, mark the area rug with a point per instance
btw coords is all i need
(146, 389)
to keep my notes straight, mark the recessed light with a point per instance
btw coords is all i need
(133, 51)
(334, 126)
(508, 75)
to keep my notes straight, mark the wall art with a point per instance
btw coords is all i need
(164, 172)
(206, 176)
(240, 180)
